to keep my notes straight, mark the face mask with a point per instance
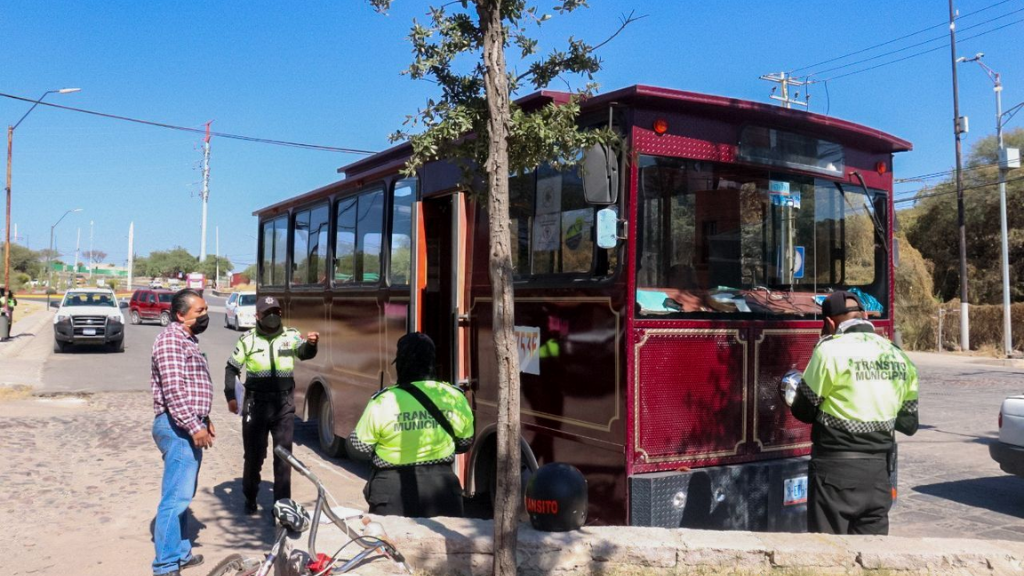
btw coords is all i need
(271, 322)
(201, 324)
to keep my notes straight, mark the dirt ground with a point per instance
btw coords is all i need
(81, 480)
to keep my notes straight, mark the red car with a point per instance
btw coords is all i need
(150, 305)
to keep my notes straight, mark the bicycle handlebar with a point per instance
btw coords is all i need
(292, 460)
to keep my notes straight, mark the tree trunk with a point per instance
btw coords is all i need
(507, 500)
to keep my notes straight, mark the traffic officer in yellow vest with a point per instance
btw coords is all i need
(857, 389)
(411, 432)
(267, 353)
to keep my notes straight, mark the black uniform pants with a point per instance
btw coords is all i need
(848, 495)
(414, 491)
(264, 413)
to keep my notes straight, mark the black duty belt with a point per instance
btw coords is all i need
(268, 394)
(847, 455)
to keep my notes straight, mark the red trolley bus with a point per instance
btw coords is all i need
(653, 328)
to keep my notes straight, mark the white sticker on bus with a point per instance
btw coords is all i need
(528, 345)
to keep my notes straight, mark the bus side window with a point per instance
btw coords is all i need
(401, 232)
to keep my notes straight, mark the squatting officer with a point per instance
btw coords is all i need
(857, 389)
(268, 353)
(411, 432)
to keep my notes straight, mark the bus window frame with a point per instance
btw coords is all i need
(262, 250)
(382, 186)
(292, 215)
(574, 279)
(389, 228)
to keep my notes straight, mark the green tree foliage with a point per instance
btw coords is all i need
(933, 227)
(24, 261)
(167, 263)
(209, 267)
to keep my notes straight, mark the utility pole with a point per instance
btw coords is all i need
(78, 249)
(206, 190)
(91, 253)
(1008, 158)
(131, 254)
(959, 127)
(216, 258)
(785, 81)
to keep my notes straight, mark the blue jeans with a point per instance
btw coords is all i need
(181, 475)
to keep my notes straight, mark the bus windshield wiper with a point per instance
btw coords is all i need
(869, 207)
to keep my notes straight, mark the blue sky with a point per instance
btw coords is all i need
(328, 72)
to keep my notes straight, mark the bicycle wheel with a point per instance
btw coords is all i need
(236, 565)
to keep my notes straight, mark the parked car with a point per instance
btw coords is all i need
(240, 311)
(1008, 451)
(150, 305)
(156, 283)
(89, 316)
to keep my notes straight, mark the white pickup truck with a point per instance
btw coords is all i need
(1009, 450)
(89, 316)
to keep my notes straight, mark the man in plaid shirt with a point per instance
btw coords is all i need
(182, 393)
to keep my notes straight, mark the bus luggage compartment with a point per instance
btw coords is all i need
(739, 497)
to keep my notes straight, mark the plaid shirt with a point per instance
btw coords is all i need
(180, 378)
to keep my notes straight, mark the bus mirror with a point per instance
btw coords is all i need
(600, 175)
(607, 228)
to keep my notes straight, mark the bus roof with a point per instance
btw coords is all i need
(650, 97)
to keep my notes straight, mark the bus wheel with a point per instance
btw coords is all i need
(329, 443)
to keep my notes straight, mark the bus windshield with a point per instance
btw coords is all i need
(719, 240)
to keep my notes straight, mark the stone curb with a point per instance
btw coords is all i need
(464, 547)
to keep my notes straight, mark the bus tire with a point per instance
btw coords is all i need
(331, 444)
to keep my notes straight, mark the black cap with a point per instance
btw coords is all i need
(265, 303)
(835, 304)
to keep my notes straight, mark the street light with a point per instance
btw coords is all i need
(10, 146)
(49, 254)
(1005, 162)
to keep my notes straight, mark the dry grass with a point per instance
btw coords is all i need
(14, 392)
(986, 327)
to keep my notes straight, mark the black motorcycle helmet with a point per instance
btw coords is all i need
(556, 498)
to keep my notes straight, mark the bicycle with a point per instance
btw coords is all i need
(294, 518)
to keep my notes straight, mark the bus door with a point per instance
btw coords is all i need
(442, 300)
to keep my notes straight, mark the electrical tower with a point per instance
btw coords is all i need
(786, 81)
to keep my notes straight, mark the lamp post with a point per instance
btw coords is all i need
(49, 254)
(10, 147)
(1004, 166)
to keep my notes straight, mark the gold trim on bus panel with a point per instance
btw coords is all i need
(757, 368)
(736, 334)
(618, 384)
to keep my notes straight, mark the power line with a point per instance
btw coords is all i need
(933, 175)
(946, 193)
(243, 138)
(917, 54)
(894, 40)
(905, 48)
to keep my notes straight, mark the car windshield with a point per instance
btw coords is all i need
(166, 297)
(89, 299)
(247, 300)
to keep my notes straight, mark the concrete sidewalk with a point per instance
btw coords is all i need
(957, 360)
(22, 357)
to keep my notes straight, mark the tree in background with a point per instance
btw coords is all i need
(933, 228)
(167, 263)
(23, 261)
(209, 267)
(475, 120)
(94, 257)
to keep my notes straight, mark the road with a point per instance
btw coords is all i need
(82, 475)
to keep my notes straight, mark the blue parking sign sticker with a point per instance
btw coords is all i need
(798, 262)
(795, 491)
